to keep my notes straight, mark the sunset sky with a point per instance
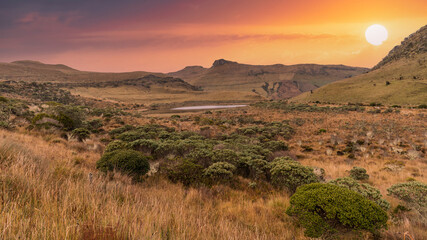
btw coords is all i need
(167, 35)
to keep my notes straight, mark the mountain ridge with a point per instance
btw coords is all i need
(414, 44)
(400, 78)
(226, 74)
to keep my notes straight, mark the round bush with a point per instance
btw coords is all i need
(257, 168)
(145, 145)
(81, 134)
(186, 172)
(359, 173)
(324, 209)
(220, 171)
(203, 156)
(116, 145)
(129, 162)
(275, 146)
(225, 155)
(290, 174)
(364, 189)
(412, 193)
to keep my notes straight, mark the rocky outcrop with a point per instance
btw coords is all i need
(221, 62)
(289, 89)
(414, 44)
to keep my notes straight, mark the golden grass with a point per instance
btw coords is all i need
(161, 95)
(46, 191)
(47, 194)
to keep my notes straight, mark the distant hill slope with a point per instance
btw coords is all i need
(400, 78)
(66, 77)
(32, 71)
(243, 77)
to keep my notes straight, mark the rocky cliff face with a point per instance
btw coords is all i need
(221, 62)
(414, 44)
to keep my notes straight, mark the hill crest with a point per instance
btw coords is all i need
(414, 44)
(400, 78)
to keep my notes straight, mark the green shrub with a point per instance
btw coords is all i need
(4, 125)
(115, 132)
(321, 131)
(81, 134)
(202, 156)
(359, 173)
(257, 168)
(116, 145)
(70, 117)
(306, 148)
(364, 189)
(413, 193)
(38, 117)
(290, 174)
(129, 162)
(220, 171)
(275, 146)
(93, 125)
(164, 149)
(225, 155)
(133, 135)
(324, 209)
(3, 99)
(374, 104)
(186, 172)
(422, 106)
(144, 145)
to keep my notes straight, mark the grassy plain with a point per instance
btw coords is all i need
(50, 188)
(160, 95)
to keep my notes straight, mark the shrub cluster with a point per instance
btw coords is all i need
(81, 134)
(186, 172)
(212, 159)
(129, 162)
(413, 193)
(326, 209)
(290, 174)
(359, 173)
(364, 189)
(220, 171)
(292, 107)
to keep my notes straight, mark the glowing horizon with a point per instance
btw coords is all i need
(167, 35)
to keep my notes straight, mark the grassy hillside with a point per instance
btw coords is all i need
(400, 78)
(402, 82)
(32, 71)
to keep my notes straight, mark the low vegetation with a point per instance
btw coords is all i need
(325, 210)
(88, 172)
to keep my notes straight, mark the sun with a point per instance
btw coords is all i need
(376, 34)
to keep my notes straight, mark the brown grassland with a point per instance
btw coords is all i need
(164, 96)
(50, 188)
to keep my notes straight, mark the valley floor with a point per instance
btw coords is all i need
(51, 189)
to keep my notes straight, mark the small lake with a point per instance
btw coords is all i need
(208, 107)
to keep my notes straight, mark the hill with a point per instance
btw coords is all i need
(33, 71)
(235, 76)
(400, 78)
(38, 81)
